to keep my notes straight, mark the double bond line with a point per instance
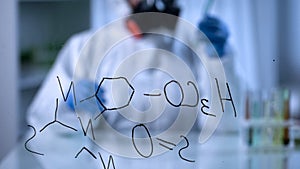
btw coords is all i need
(152, 94)
(167, 142)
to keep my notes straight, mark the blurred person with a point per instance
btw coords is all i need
(42, 109)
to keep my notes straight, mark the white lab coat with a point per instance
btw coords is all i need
(42, 109)
(67, 67)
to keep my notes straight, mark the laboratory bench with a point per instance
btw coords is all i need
(60, 150)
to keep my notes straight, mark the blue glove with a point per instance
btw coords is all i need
(216, 31)
(83, 90)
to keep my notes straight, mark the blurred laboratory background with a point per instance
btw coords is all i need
(264, 35)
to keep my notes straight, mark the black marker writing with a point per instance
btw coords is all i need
(133, 141)
(226, 99)
(87, 127)
(26, 147)
(167, 142)
(148, 143)
(87, 150)
(197, 95)
(99, 99)
(205, 106)
(100, 114)
(110, 161)
(181, 92)
(62, 92)
(152, 94)
(87, 98)
(187, 145)
(56, 121)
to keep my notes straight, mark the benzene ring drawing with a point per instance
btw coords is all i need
(102, 43)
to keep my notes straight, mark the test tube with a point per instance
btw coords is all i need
(256, 116)
(286, 116)
(247, 117)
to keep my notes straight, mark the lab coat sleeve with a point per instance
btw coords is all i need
(42, 109)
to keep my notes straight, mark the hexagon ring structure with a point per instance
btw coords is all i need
(94, 51)
(120, 106)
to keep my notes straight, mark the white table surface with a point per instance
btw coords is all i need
(220, 151)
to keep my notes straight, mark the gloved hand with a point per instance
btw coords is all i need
(83, 90)
(216, 31)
